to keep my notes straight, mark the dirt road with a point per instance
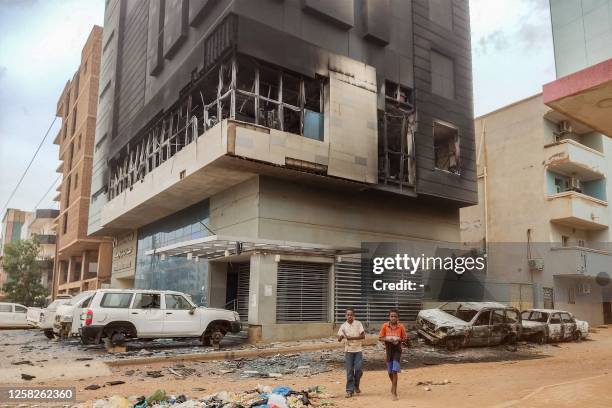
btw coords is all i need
(562, 375)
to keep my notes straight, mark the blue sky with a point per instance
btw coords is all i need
(40, 48)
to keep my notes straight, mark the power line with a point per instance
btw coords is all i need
(50, 187)
(27, 168)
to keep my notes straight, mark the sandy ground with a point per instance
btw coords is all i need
(561, 375)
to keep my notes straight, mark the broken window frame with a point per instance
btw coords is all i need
(399, 109)
(196, 112)
(457, 145)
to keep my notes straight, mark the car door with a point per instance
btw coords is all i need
(6, 315)
(146, 314)
(481, 329)
(498, 327)
(20, 316)
(569, 326)
(555, 327)
(179, 320)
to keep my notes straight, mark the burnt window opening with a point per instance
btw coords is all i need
(396, 155)
(399, 94)
(238, 88)
(446, 147)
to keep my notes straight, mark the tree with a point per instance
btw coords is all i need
(23, 273)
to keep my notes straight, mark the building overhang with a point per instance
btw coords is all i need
(220, 246)
(585, 96)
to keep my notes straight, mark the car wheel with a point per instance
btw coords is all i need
(49, 334)
(540, 338)
(511, 342)
(577, 336)
(117, 338)
(454, 343)
(206, 340)
(85, 341)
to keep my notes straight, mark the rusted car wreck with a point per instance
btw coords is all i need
(544, 325)
(466, 324)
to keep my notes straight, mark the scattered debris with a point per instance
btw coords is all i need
(117, 382)
(93, 387)
(433, 382)
(23, 362)
(262, 396)
(27, 377)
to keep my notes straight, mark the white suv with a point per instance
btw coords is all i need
(120, 314)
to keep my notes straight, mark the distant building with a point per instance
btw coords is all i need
(543, 212)
(41, 224)
(82, 262)
(13, 222)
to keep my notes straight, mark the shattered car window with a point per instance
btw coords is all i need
(511, 316)
(536, 316)
(466, 314)
(483, 319)
(498, 317)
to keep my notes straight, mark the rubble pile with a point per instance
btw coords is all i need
(305, 364)
(262, 396)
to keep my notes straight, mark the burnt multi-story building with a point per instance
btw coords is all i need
(82, 262)
(245, 149)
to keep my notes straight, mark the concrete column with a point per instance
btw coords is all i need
(84, 265)
(71, 266)
(105, 261)
(217, 275)
(262, 289)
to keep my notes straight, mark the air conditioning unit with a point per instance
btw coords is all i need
(536, 264)
(584, 288)
(565, 127)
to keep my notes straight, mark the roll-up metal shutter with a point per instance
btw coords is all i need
(352, 291)
(244, 276)
(302, 292)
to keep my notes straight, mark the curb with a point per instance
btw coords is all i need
(231, 355)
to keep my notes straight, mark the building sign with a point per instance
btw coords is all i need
(124, 254)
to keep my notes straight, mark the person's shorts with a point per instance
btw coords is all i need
(393, 366)
(394, 356)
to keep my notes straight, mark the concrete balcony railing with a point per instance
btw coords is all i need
(578, 262)
(574, 159)
(578, 210)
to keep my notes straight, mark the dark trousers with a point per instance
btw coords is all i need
(353, 362)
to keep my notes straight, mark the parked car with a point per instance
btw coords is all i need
(543, 325)
(463, 324)
(122, 314)
(68, 317)
(47, 316)
(13, 315)
(33, 316)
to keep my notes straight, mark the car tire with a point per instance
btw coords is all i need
(49, 334)
(540, 338)
(454, 343)
(206, 340)
(577, 336)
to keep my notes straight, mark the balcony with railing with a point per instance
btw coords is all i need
(579, 262)
(573, 159)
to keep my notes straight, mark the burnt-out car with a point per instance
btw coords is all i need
(466, 324)
(544, 325)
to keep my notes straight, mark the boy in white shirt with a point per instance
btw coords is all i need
(352, 332)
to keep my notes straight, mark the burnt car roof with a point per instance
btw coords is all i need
(481, 305)
(546, 310)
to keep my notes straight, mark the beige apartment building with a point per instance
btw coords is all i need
(82, 262)
(543, 212)
(12, 225)
(40, 223)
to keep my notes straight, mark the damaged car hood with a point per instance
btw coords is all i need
(440, 318)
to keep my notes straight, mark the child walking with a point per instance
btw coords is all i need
(392, 334)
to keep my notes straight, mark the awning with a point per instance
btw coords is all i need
(218, 246)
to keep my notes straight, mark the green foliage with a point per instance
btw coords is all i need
(23, 273)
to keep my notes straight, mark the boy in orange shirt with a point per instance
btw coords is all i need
(393, 334)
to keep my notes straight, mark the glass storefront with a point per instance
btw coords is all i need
(174, 273)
